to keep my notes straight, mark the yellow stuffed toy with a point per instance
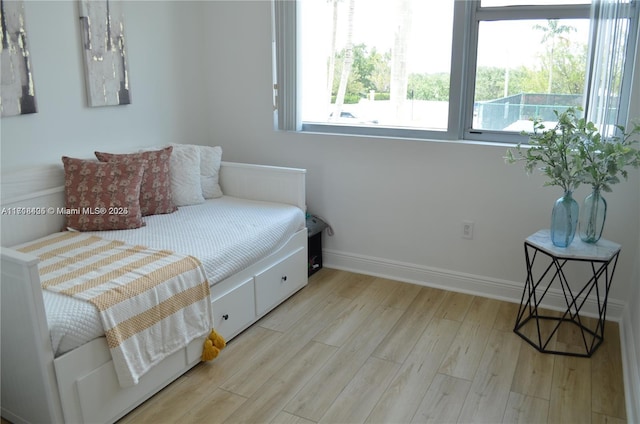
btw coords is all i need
(212, 346)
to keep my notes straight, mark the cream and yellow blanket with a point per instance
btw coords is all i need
(151, 302)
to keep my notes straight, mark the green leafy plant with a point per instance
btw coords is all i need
(604, 159)
(553, 152)
(575, 152)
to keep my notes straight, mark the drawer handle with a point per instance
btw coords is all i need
(284, 278)
(225, 317)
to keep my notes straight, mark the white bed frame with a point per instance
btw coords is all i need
(81, 385)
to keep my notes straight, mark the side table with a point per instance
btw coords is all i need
(545, 263)
(315, 226)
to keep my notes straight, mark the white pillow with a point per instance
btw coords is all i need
(210, 158)
(186, 186)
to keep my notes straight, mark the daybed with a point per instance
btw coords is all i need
(81, 385)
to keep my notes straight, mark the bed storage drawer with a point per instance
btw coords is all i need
(280, 281)
(235, 310)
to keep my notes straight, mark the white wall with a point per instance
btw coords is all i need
(631, 340)
(166, 85)
(396, 205)
(630, 327)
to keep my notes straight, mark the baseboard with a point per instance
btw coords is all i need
(631, 373)
(479, 285)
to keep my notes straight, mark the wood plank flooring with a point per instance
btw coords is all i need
(350, 348)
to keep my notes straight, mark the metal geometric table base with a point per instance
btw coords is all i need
(539, 329)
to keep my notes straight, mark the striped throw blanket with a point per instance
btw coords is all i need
(151, 302)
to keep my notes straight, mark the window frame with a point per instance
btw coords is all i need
(505, 13)
(467, 15)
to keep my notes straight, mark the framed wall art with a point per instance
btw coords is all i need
(105, 57)
(16, 88)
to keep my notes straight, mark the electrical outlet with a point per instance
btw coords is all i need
(467, 229)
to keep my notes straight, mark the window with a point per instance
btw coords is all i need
(409, 89)
(398, 68)
(540, 67)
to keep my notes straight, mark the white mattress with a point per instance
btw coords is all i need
(227, 235)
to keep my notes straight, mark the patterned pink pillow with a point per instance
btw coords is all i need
(155, 191)
(102, 195)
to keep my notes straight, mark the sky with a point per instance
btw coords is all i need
(503, 44)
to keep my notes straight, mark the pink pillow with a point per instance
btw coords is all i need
(155, 191)
(102, 195)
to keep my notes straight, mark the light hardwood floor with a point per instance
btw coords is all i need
(351, 348)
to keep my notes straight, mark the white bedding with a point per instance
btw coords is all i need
(226, 234)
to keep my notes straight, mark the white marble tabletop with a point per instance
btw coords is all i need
(603, 250)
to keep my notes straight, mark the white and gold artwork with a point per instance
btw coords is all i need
(105, 57)
(17, 91)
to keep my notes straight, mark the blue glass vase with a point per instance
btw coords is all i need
(592, 216)
(564, 220)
